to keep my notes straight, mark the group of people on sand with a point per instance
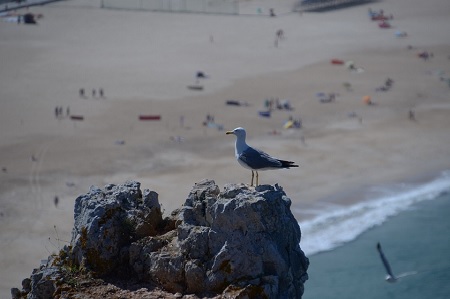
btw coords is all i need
(383, 20)
(425, 55)
(379, 15)
(59, 112)
(100, 93)
(327, 98)
(387, 85)
(275, 103)
(292, 123)
(211, 123)
(422, 54)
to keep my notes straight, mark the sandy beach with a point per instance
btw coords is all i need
(144, 62)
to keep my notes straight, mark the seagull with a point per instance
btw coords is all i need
(390, 277)
(255, 159)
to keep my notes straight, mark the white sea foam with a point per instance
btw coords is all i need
(335, 227)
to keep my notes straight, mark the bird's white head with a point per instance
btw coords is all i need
(239, 132)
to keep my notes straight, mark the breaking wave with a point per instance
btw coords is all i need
(339, 225)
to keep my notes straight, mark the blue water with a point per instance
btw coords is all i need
(415, 237)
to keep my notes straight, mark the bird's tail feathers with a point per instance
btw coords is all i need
(287, 164)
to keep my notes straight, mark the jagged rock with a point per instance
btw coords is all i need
(26, 285)
(15, 293)
(240, 237)
(239, 243)
(106, 221)
(43, 283)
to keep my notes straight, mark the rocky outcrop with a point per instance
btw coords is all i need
(107, 221)
(241, 242)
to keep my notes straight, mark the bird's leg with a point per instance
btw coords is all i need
(253, 175)
(257, 179)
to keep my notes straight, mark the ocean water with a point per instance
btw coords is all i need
(412, 223)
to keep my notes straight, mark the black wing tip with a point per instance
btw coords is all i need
(288, 164)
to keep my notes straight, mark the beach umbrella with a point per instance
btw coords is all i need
(367, 100)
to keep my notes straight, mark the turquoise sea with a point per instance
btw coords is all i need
(412, 223)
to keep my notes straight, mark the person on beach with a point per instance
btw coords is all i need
(82, 93)
(425, 55)
(412, 115)
(332, 96)
(348, 86)
(279, 35)
(303, 140)
(181, 121)
(272, 12)
(389, 82)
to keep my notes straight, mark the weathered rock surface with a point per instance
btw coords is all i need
(239, 243)
(106, 221)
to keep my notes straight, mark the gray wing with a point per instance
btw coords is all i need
(407, 274)
(257, 159)
(384, 260)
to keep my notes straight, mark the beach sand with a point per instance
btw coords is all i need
(144, 62)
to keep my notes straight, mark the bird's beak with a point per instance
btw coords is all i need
(229, 132)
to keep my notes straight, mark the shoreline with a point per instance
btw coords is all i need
(337, 226)
(408, 245)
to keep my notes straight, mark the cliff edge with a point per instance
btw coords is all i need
(239, 243)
